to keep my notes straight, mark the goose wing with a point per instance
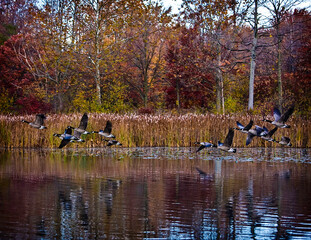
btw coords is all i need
(200, 148)
(240, 125)
(83, 122)
(260, 130)
(249, 125)
(229, 138)
(285, 139)
(250, 137)
(272, 131)
(40, 119)
(68, 131)
(63, 143)
(276, 114)
(108, 127)
(287, 114)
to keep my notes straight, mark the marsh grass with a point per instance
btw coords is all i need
(133, 130)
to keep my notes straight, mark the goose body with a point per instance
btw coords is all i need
(204, 145)
(38, 123)
(226, 146)
(82, 127)
(285, 141)
(107, 131)
(253, 133)
(113, 142)
(280, 119)
(66, 137)
(242, 128)
(77, 134)
(267, 135)
(63, 135)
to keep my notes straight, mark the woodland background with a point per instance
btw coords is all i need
(117, 56)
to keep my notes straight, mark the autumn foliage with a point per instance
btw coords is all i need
(18, 91)
(190, 82)
(120, 56)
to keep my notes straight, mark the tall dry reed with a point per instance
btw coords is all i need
(134, 130)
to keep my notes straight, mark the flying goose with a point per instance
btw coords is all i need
(242, 128)
(82, 127)
(279, 120)
(285, 141)
(77, 134)
(38, 123)
(67, 131)
(253, 133)
(113, 142)
(226, 146)
(66, 137)
(107, 131)
(267, 135)
(204, 145)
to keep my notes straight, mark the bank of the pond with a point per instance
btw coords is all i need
(134, 130)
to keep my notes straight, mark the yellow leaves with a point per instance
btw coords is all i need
(6, 101)
(224, 63)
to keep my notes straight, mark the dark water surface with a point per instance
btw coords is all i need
(142, 193)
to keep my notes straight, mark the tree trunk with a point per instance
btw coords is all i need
(97, 54)
(222, 94)
(253, 59)
(60, 106)
(220, 106)
(280, 88)
(146, 89)
(178, 96)
(252, 76)
(97, 82)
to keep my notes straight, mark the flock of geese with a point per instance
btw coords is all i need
(262, 132)
(68, 137)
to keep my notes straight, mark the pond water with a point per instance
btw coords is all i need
(143, 193)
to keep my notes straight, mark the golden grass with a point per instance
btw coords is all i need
(132, 130)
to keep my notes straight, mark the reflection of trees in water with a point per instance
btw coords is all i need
(82, 196)
(41, 228)
(110, 188)
(80, 208)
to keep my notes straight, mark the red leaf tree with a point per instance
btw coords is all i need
(16, 82)
(190, 82)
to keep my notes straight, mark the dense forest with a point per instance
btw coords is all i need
(117, 56)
